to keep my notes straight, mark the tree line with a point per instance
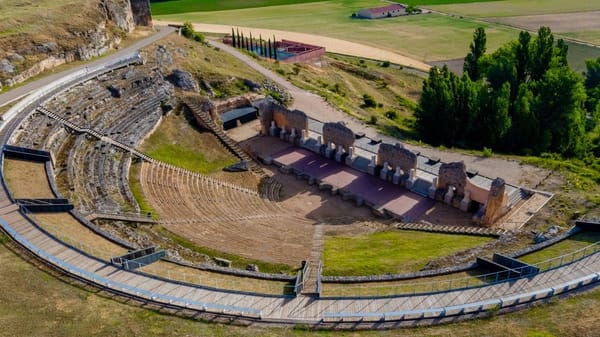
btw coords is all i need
(264, 48)
(523, 98)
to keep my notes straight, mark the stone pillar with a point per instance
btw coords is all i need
(282, 133)
(397, 175)
(339, 153)
(411, 178)
(328, 150)
(433, 188)
(384, 171)
(349, 157)
(293, 135)
(465, 203)
(272, 129)
(449, 195)
(372, 165)
(303, 136)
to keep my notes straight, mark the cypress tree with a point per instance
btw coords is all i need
(274, 48)
(270, 49)
(251, 42)
(239, 42)
(232, 37)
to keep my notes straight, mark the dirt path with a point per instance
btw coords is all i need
(331, 44)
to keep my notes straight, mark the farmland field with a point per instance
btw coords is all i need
(427, 37)
(161, 7)
(517, 7)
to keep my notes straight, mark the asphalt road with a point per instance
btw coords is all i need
(20, 92)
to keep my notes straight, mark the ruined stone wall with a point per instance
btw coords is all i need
(454, 174)
(397, 155)
(141, 12)
(339, 134)
(271, 111)
(496, 203)
(290, 119)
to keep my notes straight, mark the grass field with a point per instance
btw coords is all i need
(577, 241)
(517, 7)
(46, 306)
(426, 37)
(177, 142)
(343, 81)
(162, 7)
(391, 251)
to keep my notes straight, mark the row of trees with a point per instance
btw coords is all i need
(522, 98)
(260, 46)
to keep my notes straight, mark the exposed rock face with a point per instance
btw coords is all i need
(141, 12)
(7, 67)
(120, 12)
(78, 42)
(184, 80)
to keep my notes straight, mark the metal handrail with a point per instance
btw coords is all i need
(466, 282)
(103, 281)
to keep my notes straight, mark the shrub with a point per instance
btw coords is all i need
(487, 152)
(373, 120)
(391, 114)
(369, 101)
(385, 64)
(353, 15)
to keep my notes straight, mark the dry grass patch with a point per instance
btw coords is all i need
(27, 179)
(67, 228)
(211, 279)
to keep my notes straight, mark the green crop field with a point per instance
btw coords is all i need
(391, 251)
(428, 37)
(162, 7)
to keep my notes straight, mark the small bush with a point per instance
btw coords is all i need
(353, 15)
(392, 114)
(487, 152)
(385, 64)
(373, 120)
(369, 101)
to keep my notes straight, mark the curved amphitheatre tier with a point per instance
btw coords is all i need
(197, 299)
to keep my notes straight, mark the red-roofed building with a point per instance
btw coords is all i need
(382, 12)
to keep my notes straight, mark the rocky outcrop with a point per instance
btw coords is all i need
(74, 42)
(184, 80)
(119, 12)
(141, 12)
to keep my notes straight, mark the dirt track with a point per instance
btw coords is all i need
(330, 44)
(559, 23)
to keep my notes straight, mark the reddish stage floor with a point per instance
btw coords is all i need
(381, 193)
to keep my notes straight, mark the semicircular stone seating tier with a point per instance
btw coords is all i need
(124, 106)
(214, 212)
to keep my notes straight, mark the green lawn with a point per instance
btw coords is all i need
(178, 143)
(392, 251)
(575, 242)
(426, 37)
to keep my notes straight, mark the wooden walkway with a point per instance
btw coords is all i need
(281, 308)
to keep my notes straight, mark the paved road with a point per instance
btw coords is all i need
(23, 91)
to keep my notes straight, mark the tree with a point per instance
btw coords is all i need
(560, 109)
(522, 57)
(525, 133)
(233, 43)
(592, 85)
(478, 48)
(542, 53)
(562, 50)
